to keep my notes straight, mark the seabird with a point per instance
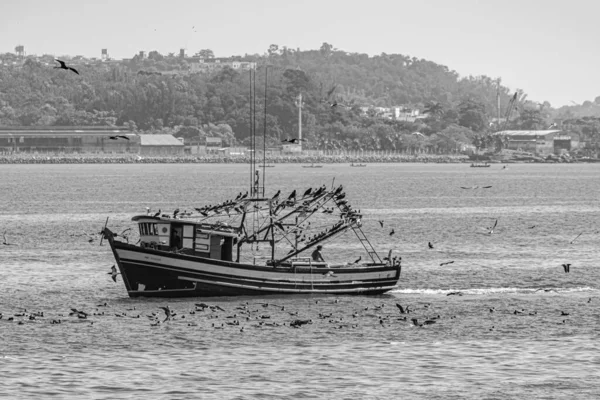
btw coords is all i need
(157, 213)
(430, 245)
(576, 237)
(292, 195)
(567, 268)
(357, 260)
(276, 195)
(175, 213)
(64, 66)
(113, 273)
(5, 242)
(293, 141)
(392, 232)
(493, 227)
(168, 313)
(380, 223)
(402, 310)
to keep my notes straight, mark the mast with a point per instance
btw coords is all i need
(265, 134)
(254, 171)
(251, 132)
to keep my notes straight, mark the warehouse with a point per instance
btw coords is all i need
(544, 142)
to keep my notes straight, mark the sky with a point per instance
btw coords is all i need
(544, 47)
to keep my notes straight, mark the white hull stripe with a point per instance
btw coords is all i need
(270, 289)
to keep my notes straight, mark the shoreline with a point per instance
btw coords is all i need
(270, 160)
(136, 159)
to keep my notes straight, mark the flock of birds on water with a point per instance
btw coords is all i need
(258, 315)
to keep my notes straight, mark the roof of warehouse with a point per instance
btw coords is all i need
(159, 140)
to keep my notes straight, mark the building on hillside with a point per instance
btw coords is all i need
(202, 65)
(160, 145)
(542, 142)
(214, 145)
(291, 148)
(67, 139)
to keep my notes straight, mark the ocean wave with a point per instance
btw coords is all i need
(486, 291)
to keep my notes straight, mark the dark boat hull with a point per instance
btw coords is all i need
(155, 273)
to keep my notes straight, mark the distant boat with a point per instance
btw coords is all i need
(312, 166)
(479, 165)
(266, 166)
(358, 165)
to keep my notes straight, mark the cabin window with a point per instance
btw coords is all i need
(148, 229)
(201, 247)
(201, 236)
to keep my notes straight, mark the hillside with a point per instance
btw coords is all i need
(161, 94)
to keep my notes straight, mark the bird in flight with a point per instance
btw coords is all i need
(380, 223)
(430, 245)
(576, 237)
(567, 268)
(493, 227)
(64, 66)
(293, 140)
(113, 273)
(168, 313)
(117, 137)
(402, 310)
(446, 263)
(392, 232)
(5, 242)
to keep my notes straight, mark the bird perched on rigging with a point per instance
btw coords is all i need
(64, 66)
(157, 213)
(292, 195)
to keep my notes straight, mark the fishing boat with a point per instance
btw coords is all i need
(214, 251)
(252, 244)
(358, 165)
(312, 166)
(480, 165)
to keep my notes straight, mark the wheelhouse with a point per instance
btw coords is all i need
(187, 237)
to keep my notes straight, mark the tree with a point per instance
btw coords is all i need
(472, 115)
(531, 118)
(206, 54)
(325, 49)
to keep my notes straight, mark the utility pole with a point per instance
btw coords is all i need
(299, 104)
(498, 100)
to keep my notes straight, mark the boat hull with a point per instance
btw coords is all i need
(155, 273)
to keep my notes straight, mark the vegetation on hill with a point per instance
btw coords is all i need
(160, 94)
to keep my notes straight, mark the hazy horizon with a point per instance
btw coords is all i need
(541, 47)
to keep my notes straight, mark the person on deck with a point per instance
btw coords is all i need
(316, 255)
(176, 242)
